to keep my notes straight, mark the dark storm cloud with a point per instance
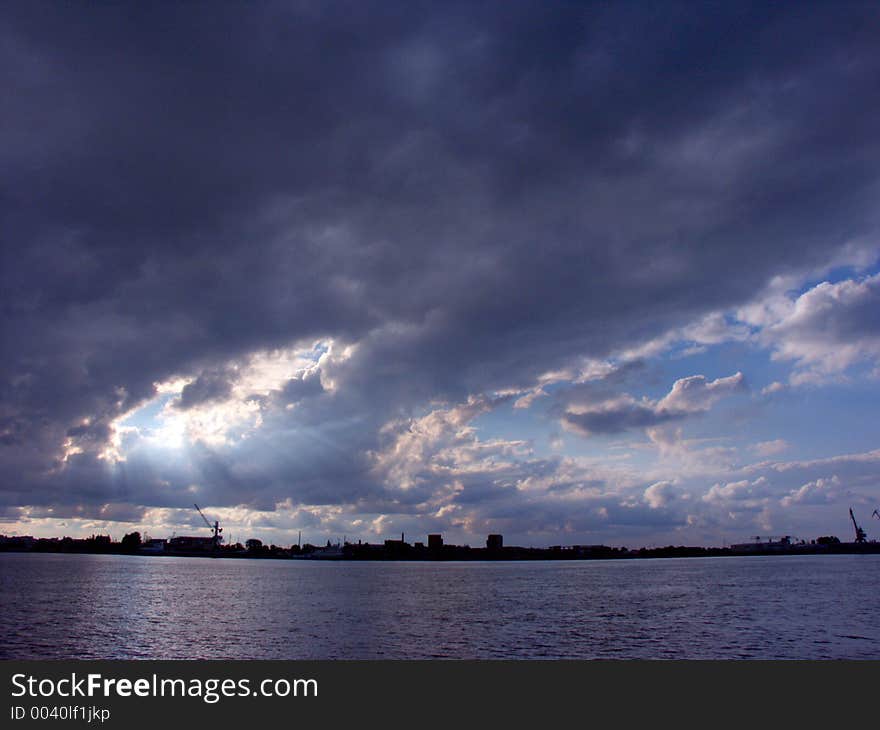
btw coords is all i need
(209, 386)
(474, 195)
(296, 389)
(621, 418)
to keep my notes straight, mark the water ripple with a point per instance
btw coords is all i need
(116, 607)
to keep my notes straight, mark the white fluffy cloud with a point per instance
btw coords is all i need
(770, 448)
(737, 491)
(818, 491)
(696, 394)
(824, 331)
(440, 446)
(659, 494)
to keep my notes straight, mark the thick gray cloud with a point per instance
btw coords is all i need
(471, 195)
(618, 417)
(615, 414)
(210, 385)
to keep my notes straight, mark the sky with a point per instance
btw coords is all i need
(576, 273)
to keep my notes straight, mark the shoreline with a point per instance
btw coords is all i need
(466, 554)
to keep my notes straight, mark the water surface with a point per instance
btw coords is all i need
(121, 607)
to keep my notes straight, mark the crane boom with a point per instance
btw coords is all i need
(860, 533)
(215, 527)
(203, 516)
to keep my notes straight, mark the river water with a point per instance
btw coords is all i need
(121, 607)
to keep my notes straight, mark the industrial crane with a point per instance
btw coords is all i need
(860, 533)
(215, 527)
